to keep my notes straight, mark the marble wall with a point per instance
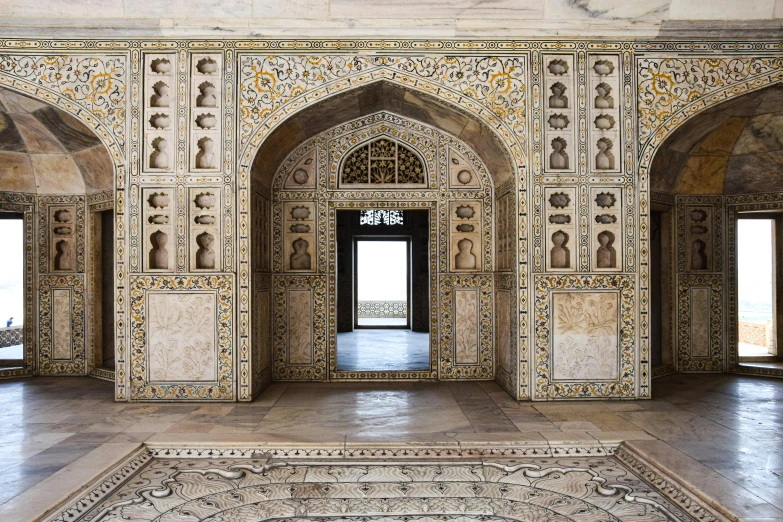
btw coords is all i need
(226, 265)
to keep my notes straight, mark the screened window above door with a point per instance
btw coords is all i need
(383, 162)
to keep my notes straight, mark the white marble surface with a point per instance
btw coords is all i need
(372, 18)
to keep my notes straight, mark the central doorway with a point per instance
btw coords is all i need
(382, 272)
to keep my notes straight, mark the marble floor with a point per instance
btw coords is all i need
(586, 489)
(384, 349)
(720, 434)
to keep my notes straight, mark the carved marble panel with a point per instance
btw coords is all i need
(61, 325)
(466, 326)
(585, 337)
(466, 342)
(299, 237)
(604, 122)
(465, 236)
(300, 328)
(461, 172)
(700, 322)
(205, 226)
(182, 344)
(560, 100)
(158, 220)
(181, 337)
(606, 228)
(206, 114)
(161, 96)
(304, 174)
(505, 237)
(561, 239)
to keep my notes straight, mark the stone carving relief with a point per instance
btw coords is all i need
(62, 334)
(503, 351)
(698, 237)
(606, 228)
(182, 344)
(300, 324)
(465, 237)
(700, 322)
(585, 336)
(304, 173)
(466, 341)
(61, 320)
(62, 238)
(158, 227)
(159, 75)
(204, 483)
(560, 254)
(505, 238)
(206, 112)
(560, 228)
(604, 78)
(560, 82)
(299, 236)
(462, 173)
(466, 337)
(585, 344)
(181, 337)
(299, 327)
(205, 228)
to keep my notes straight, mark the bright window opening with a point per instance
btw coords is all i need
(11, 289)
(755, 287)
(382, 283)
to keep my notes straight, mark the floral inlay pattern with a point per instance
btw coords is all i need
(181, 339)
(97, 83)
(585, 336)
(585, 489)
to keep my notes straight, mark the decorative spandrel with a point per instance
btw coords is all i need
(383, 161)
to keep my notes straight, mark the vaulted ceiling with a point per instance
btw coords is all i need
(733, 148)
(44, 150)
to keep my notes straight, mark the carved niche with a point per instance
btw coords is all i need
(465, 236)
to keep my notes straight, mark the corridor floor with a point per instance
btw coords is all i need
(383, 349)
(721, 433)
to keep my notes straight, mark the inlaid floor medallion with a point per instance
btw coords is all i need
(587, 489)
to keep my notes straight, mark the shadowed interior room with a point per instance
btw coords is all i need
(362, 262)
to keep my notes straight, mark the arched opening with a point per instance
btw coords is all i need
(57, 184)
(303, 260)
(716, 213)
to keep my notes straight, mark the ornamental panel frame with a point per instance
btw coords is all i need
(48, 363)
(546, 387)
(221, 287)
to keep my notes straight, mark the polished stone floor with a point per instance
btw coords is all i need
(722, 433)
(383, 349)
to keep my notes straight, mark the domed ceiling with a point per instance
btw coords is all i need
(733, 148)
(47, 151)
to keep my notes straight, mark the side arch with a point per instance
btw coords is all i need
(107, 121)
(456, 111)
